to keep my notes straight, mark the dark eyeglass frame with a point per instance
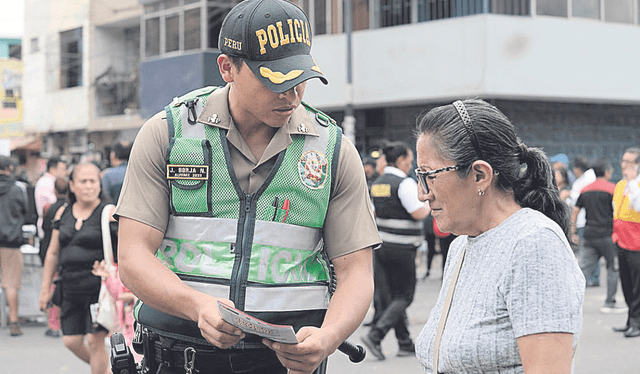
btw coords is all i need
(422, 176)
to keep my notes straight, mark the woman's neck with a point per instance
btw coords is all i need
(496, 210)
(83, 209)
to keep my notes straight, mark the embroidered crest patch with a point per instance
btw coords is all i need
(312, 169)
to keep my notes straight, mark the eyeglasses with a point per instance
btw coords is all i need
(423, 176)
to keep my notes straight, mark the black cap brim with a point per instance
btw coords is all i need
(283, 74)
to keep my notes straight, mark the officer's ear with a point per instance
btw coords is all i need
(226, 68)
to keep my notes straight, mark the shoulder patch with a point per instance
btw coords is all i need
(320, 117)
(177, 101)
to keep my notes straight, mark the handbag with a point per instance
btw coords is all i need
(106, 313)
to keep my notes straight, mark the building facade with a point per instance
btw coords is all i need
(564, 71)
(81, 75)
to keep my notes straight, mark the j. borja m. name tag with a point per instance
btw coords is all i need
(191, 172)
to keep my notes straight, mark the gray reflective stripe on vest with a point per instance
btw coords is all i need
(399, 224)
(400, 239)
(272, 299)
(223, 230)
(215, 290)
(188, 130)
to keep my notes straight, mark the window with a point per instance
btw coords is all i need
(586, 8)
(556, 8)
(395, 12)
(216, 16)
(152, 37)
(172, 33)
(360, 15)
(15, 51)
(35, 48)
(71, 58)
(320, 16)
(511, 7)
(176, 26)
(620, 11)
(192, 29)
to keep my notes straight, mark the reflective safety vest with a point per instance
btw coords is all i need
(395, 224)
(626, 220)
(264, 250)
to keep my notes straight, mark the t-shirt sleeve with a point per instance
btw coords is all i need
(580, 201)
(145, 193)
(408, 194)
(543, 287)
(349, 225)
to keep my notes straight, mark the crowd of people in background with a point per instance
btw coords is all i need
(64, 205)
(597, 220)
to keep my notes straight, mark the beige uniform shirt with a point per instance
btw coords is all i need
(349, 225)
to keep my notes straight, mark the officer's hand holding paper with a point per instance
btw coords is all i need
(252, 325)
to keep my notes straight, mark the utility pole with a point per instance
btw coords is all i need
(349, 122)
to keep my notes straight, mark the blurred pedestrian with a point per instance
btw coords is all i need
(597, 201)
(76, 243)
(626, 234)
(62, 191)
(561, 160)
(517, 305)
(399, 216)
(45, 187)
(584, 176)
(113, 177)
(13, 211)
(562, 182)
(369, 165)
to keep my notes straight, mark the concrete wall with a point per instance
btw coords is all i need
(533, 58)
(47, 107)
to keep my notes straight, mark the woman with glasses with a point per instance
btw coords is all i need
(512, 292)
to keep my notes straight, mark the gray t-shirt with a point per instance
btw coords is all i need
(519, 278)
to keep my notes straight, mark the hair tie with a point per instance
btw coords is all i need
(468, 125)
(524, 152)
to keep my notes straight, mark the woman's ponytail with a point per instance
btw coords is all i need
(536, 189)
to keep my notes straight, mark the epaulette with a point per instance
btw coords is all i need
(322, 118)
(177, 101)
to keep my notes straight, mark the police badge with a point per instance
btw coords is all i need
(312, 168)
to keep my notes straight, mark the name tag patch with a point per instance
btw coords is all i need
(191, 172)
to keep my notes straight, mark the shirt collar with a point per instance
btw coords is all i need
(216, 113)
(395, 171)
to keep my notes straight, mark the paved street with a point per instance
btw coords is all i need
(600, 350)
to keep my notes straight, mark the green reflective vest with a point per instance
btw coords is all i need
(264, 251)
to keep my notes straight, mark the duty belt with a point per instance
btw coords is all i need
(209, 359)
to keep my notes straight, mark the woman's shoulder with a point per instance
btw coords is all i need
(528, 225)
(530, 220)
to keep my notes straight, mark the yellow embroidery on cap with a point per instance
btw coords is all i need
(316, 68)
(277, 77)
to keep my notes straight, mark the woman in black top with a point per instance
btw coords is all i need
(76, 243)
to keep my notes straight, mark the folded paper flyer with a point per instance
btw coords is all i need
(252, 325)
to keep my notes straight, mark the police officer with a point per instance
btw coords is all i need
(399, 216)
(243, 195)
